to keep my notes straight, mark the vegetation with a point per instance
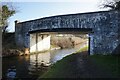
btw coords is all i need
(61, 68)
(66, 67)
(9, 47)
(113, 5)
(67, 41)
(6, 12)
(109, 62)
(82, 49)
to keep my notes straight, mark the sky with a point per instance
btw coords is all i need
(35, 10)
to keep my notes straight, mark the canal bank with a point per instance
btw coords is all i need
(81, 65)
(65, 67)
(31, 66)
(9, 47)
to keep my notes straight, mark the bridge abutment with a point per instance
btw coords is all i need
(39, 42)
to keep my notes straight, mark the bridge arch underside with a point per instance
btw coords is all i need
(40, 39)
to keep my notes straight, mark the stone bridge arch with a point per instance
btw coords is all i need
(104, 25)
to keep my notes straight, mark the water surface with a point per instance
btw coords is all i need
(32, 65)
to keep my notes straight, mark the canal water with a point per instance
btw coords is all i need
(32, 65)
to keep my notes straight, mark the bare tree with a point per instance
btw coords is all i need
(113, 4)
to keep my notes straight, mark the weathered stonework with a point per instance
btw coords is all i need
(105, 36)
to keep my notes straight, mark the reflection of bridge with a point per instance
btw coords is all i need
(102, 28)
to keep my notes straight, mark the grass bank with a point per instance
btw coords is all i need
(65, 68)
(85, 48)
(61, 68)
(108, 62)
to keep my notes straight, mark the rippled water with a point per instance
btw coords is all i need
(32, 65)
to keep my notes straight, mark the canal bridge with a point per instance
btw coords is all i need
(102, 27)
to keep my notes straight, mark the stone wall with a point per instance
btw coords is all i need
(104, 25)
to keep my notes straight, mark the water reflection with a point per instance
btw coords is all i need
(39, 61)
(36, 64)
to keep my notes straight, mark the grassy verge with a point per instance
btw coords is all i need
(109, 62)
(61, 68)
(83, 49)
(65, 67)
